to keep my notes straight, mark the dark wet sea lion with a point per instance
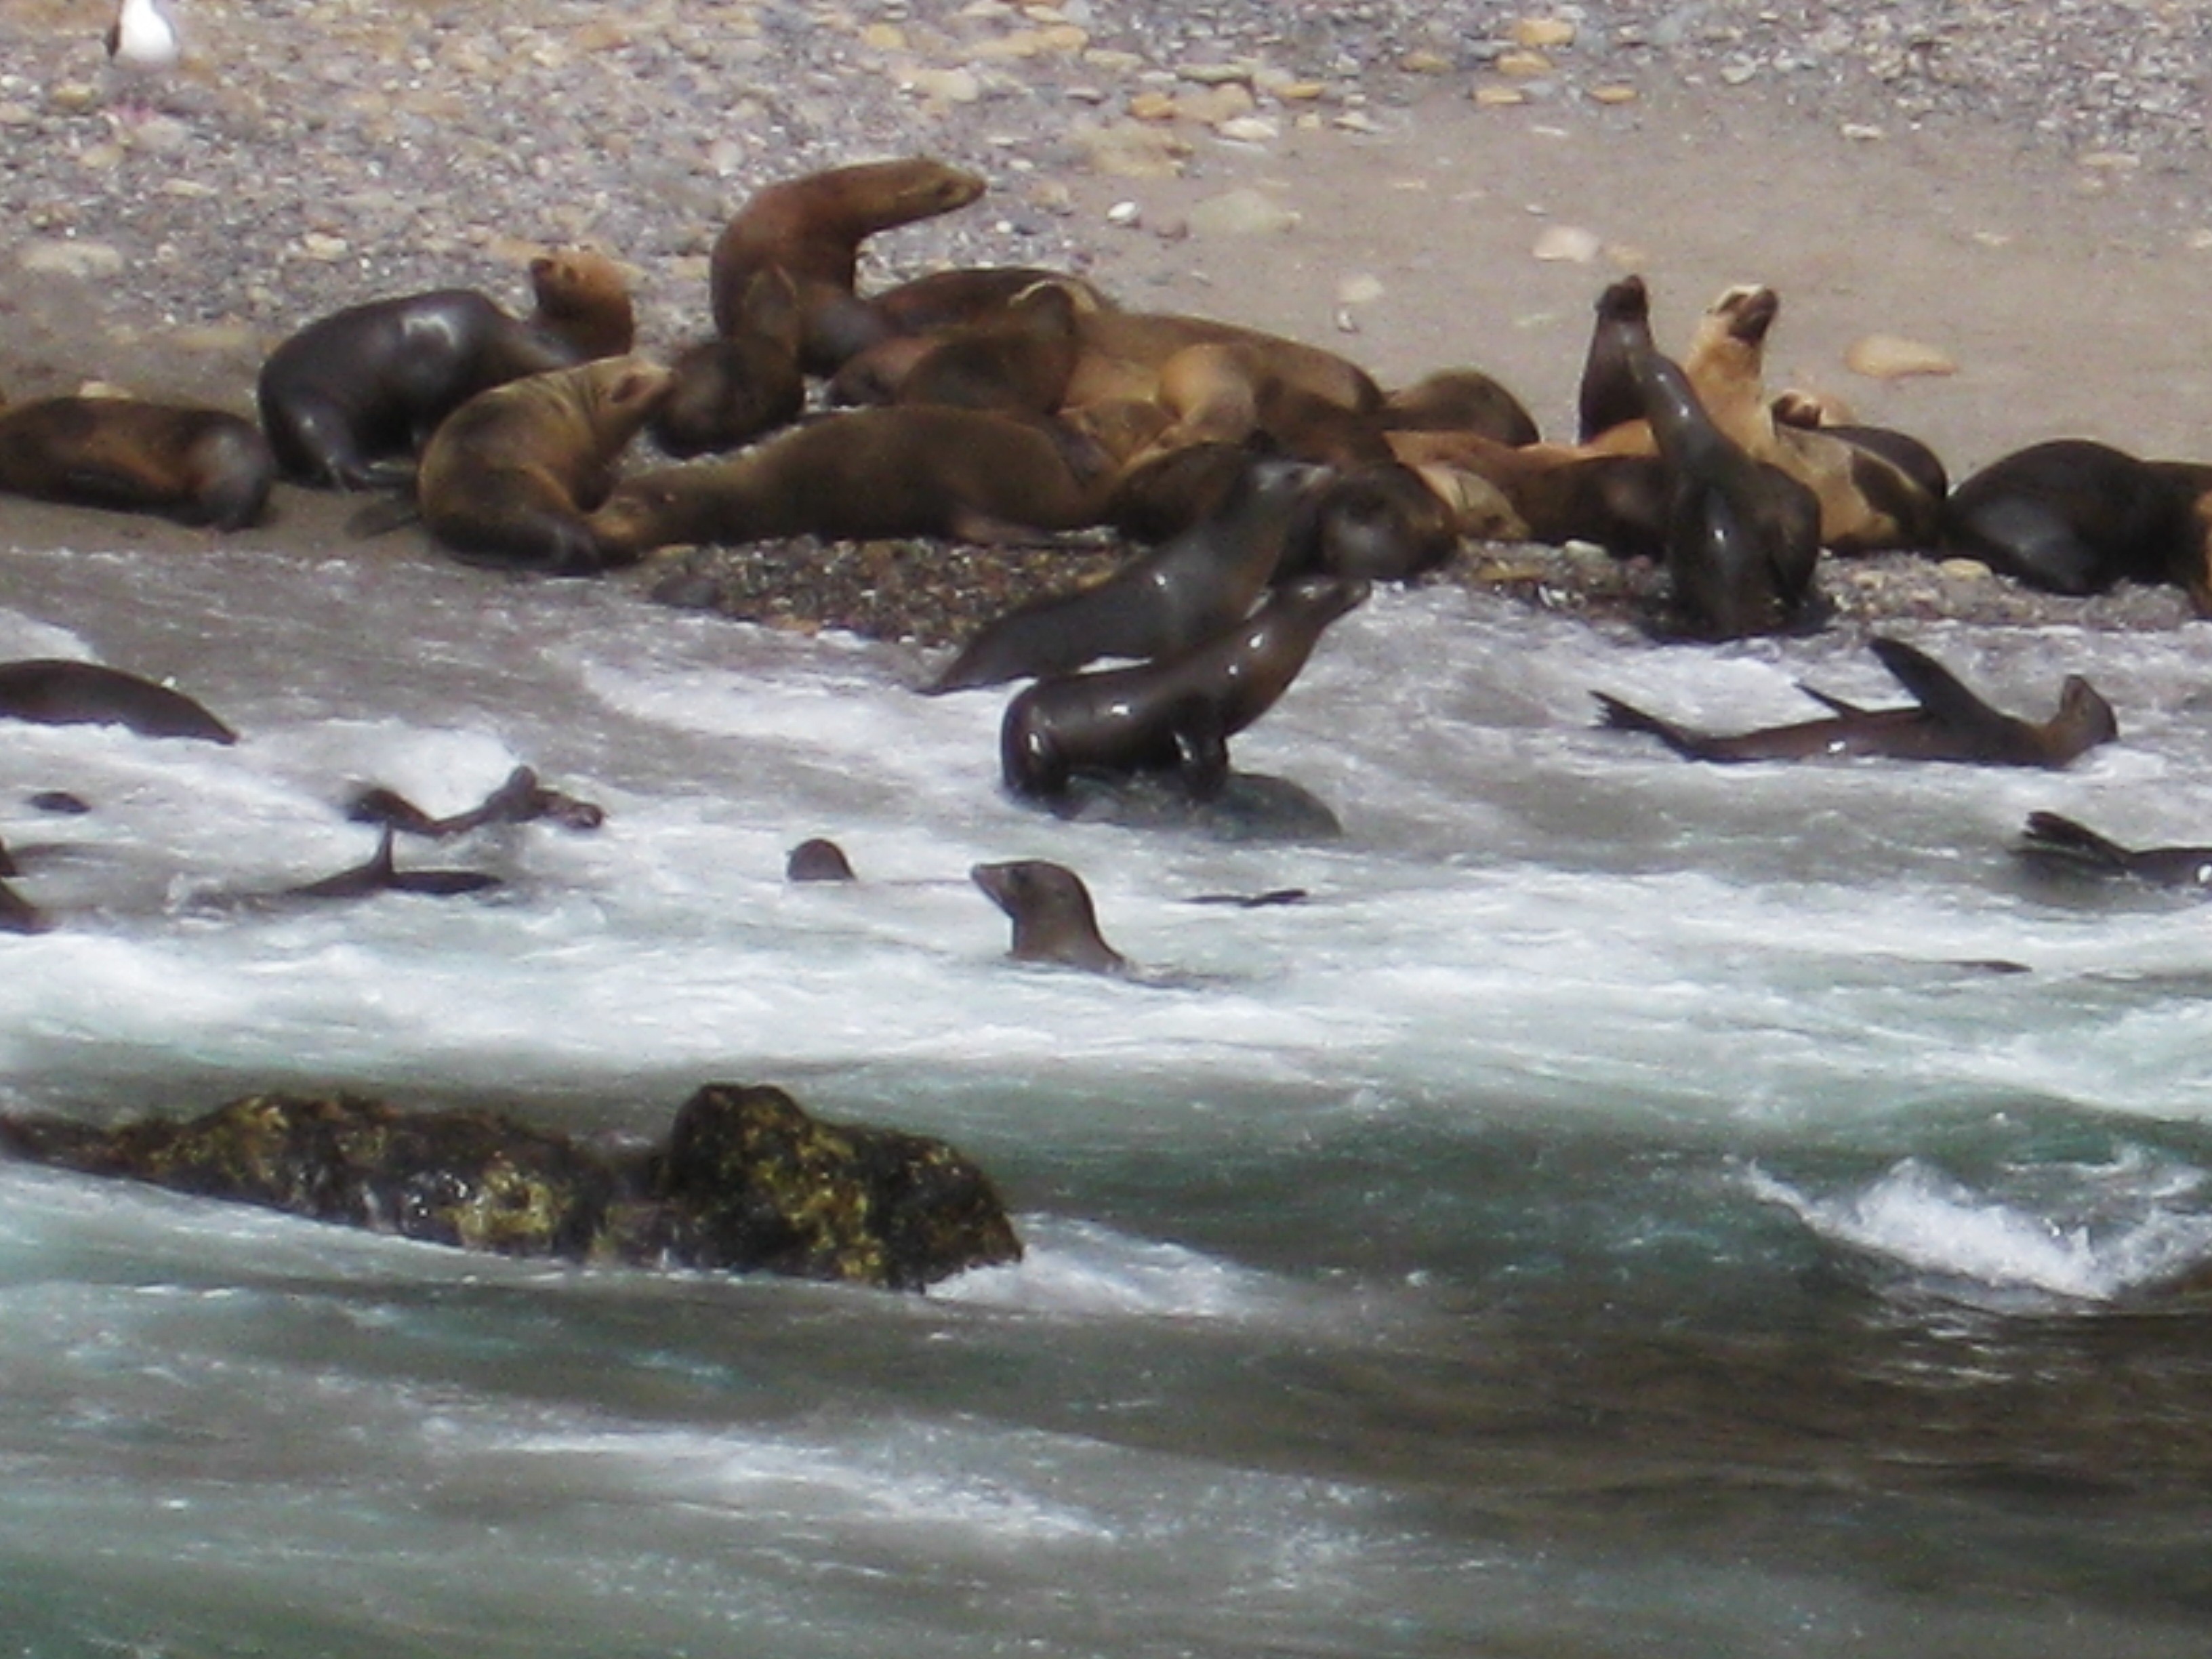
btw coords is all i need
(1743, 539)
(60, 691)
(1054, 918)
(1607, 396)
(818, 859)
(813, 227)
(2075, 516)
(914, 470)
(1176, 716)
(731, 389)
(1158, 604)
(520, 800)
(507, 478)
(1459, 400)
(2054, 842)
(378, 875)
(198, 466)
(583, 300)
(373, 381)
(1945, 723)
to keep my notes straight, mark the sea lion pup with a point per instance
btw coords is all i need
(1054, 918)
(960, 473)
(509, 478)
(817, 859)
(1459, 400)
(1544, 492)
(372, 382)
(1235, 391)
(61, 691)
(520, 800)
(731, 389)
(2075, 516)
(1017, 362)
(583, 301)
(2059, 844)
(1743, 539)
(920, 314)
(1385, 522)
(813, 227)
(1158, 604)
(198, 466)
(1174, 717)
(378, 875)
(1944, 722)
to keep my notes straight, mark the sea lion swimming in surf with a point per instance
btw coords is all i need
(817, 859)
(2062, 844)
(61, 691)
(380, 875)
(1944, 722)
(372, 382)
(198, 466)
(520, 800)
(1054, 921)
(508, 476)
(1174, 717)
(1158, 604)
(811, 228)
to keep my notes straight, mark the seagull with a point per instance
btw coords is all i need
(142, 44)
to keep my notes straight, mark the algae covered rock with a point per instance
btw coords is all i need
(748, 1181)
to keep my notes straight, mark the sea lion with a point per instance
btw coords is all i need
(1544, 492)
(508, 476)
(1054, 918)
(1459, 400)
(583, 300)
(2056, 843)
(916, 470)
(1232, 391)
(1159, 604)
(1176, 716)
(1743, 539)
(377, 875)
(731, 389)
(1385, 522)
(520, 800)
(60, 691)
(17, 913)
(818, 859)
(1124, 352)
(1017, 362)
(1607, 396)
(373, 381)
(813, 227)
(198, 466)
(1944, 722)
(2074, 516)
(967, 293)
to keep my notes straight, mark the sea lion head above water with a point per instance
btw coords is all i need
(1054, 918)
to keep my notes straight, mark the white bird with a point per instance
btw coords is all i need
(142, 44)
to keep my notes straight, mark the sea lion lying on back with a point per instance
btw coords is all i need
(372, 382)
(508, 476)
(962, 473)
(811, 228)
(199, 466)
(1945, 723)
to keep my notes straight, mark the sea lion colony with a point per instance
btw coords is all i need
(1277, 479)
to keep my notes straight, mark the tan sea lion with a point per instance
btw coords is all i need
(583, 300)
(508, 476)
(199, 466)
(373, 381)
(1017, 362)
(916, 471)
(1459, 400)
(1944, 722)
(1054, 919)
(1123, 352)
(813, 227)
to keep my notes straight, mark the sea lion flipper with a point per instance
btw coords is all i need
(2061, 840)
(1935, 688)
(388, 807)
(1201, 748)
(1618, 716)
(1834, 704)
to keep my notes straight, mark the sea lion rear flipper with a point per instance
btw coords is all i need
(1620, 716)
(1936, 689)
(1834, 704)
(2052, 838)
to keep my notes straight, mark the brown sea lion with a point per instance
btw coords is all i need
(1054, 918)
(1944, 722)
(60, 691)
(813, 227)
(1176, 716)
(373, 381)
(1158, 604)
(1544, 492)
(918, 471)
(1743, 537)
(583, 300)
(731, 389)
(968, 294)
(2075, 516)
(1383, 522)
(2059, 844)
(1124, 352)
(199, 466)
(1459, 400)
(520, 800)
(1017, 362)
(509, 478)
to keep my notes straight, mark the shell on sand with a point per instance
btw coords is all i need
(1891, 357)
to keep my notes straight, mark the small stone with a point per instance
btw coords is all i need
(1522, 65)
(883, 37)
(1128, 214)
(1132, 150)
(1214, 105)
(1612, 94)
(1495, 97)
(1214, 75)
(1241, 212)
(1964, 570)
(2111, 160)
(66, 257)
(1354, 121)
(1735, 74)
(1424, 62)
(1859, 132)
(1346, 322)
(1567, 244)
(73, 97)
(1154, 107)
(1542, 32)
(1890, 357)
(1295, 92)
(1249, 130)
(2200, 240)
(323, 247)
(17, 115)
(952, 86)
(1359, 289)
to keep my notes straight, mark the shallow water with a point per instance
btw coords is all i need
(1625, 1210)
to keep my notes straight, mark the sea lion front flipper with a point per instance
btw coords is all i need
(1201, 748)
(1834, 704)
(1937, 689)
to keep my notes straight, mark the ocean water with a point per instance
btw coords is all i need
(1629, 1208)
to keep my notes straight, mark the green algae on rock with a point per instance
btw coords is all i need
(748, 1181)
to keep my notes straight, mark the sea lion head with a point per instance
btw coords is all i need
(1054, 918)
(1745, 312)
(1383, 523)
(1626, 301)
